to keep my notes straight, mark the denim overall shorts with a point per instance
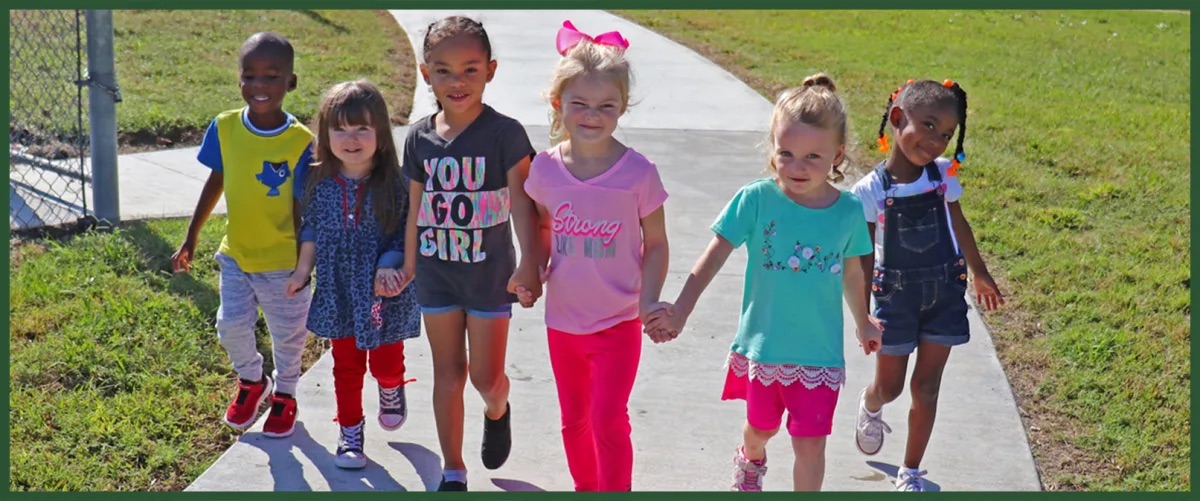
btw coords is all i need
(920, 281)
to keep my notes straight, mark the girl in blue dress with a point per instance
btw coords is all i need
(355, 206)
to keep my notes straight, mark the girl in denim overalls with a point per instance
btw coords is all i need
(923, 248)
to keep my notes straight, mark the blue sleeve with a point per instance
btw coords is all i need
(300, 173)
(210, 149)
(391, 259)
(307, 233)
(737, 220)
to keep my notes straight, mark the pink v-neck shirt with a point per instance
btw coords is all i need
(595, 276)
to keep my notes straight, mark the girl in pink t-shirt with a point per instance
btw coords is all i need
(604, 235)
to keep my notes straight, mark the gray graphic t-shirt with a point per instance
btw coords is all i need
(465, 252)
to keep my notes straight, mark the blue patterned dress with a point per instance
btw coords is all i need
(350, 246)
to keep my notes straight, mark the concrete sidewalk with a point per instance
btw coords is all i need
(704, 133)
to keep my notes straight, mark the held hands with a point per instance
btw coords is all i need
(870, 335)
(389, 282)
(987, 294)
(526, 285)
(407, 273)
(660, 322)
(296, 282)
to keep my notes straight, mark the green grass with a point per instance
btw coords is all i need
(1077, 179)
(43, 100)
(117, 381)
(159, 53)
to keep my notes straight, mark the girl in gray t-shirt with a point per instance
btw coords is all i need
(466, 166)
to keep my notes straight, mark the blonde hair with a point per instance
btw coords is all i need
(814, 103)
(356, 103)
(586, 58)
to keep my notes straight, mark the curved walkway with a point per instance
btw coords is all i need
(702, 127)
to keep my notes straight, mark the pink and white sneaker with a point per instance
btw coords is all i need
(747, 473)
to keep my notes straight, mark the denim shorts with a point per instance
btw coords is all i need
(923, 304)
(499, 312)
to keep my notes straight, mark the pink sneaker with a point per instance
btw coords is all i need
(747, 474)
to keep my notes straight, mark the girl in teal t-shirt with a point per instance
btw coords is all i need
(804, 237)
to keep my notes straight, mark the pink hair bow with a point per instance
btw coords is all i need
(569, 37)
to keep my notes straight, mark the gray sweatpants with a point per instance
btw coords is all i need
(242, 294)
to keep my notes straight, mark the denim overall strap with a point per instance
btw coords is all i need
(916, 230)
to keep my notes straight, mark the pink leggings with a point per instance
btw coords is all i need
(595, 374)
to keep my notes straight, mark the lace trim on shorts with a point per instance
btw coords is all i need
(786, 374)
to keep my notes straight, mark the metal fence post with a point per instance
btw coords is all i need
(103, 96)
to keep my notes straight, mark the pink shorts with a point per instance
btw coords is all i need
(810, 410)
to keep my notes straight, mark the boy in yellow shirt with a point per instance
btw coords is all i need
(258, 155)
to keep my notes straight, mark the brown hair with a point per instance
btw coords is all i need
(361, 103)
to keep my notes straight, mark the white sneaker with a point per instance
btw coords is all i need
(910, 480)
(393, 408)
(350, 448)
(868, 434)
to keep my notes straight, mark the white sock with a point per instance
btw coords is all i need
(455, 475)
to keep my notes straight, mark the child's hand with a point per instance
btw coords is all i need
(181, 260)
(387, 282)
(526, 283)
(870, 337)
(660, 322)
(987, 294)
(295, 283)
(406, 274)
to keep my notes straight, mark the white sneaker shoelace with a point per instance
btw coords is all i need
(911, 481)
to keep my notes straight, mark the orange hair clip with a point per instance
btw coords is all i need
(953, 171)
(948, 83)
(883, 143)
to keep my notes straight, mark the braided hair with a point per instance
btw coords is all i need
(930, 93)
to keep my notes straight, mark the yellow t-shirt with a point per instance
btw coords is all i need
(264, 171)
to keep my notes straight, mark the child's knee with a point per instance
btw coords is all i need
(450, 375)
(613, 419)
(759, 434)
(487, 382)
(925, 391)
(809, 447)
(889, 391)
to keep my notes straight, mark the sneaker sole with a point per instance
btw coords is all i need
(350, 466)
(857, 440)
(858, 445)
(266, 393)
(286, 433)
(392, 428)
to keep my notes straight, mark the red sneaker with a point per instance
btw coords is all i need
(243, 410)
(281, 419)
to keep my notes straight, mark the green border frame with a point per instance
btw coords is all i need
(567, 4)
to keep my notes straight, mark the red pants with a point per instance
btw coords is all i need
(349, 368)
(595, 375)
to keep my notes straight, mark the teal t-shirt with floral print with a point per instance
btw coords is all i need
(792, 297)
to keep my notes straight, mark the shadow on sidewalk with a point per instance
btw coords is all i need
(288, 473)
(891, 470)
(429, 467)
(511, 485)
(427, 463)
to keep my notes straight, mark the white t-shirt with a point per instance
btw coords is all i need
(869, 189)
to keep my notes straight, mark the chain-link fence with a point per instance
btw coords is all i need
(47, 122)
